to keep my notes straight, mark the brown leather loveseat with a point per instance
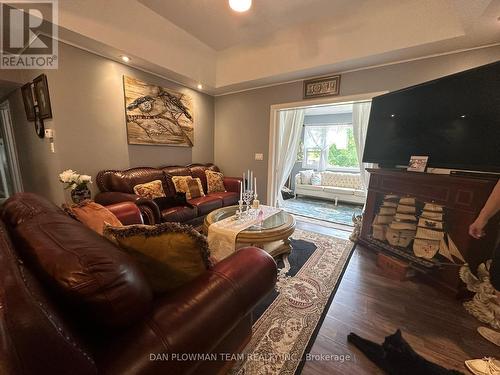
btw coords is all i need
(72, 303)
(118, 186)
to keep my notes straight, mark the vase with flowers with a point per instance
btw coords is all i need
(77, 184)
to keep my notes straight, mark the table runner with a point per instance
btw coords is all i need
(222, 234)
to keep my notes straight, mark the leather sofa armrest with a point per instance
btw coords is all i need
(197, 317)
(127, 212)
(149, 209)
(232, 184)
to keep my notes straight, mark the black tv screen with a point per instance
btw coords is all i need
(455, 120)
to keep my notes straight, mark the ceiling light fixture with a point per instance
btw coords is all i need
(240, 5)
(125, 58)
(199, 86)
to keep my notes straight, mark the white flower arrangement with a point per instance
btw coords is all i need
(74, 180)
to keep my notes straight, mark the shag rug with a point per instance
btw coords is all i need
(322, 209)
(284, 332)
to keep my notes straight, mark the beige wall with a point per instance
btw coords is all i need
(89, 123)
(242, 119)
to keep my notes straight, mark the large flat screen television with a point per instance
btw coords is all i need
(455, 120)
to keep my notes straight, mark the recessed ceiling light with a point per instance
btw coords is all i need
(393, 115)
(463, 116)
(199, 86)
(125, 58)
(240, 5)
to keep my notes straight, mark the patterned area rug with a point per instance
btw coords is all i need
(282, 334)
(322, 209)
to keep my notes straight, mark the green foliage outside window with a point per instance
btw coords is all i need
(344, 158)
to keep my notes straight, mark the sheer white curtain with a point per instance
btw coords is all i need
(289, 130)
(360, 117)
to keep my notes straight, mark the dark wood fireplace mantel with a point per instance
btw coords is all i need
(462, 197)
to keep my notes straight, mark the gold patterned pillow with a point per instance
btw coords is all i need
(169, 254)
(150, 190)
(215, 181)
(190, 186)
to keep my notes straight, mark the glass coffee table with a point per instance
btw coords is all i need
(272, 235)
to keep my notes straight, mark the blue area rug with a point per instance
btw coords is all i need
(323, 209)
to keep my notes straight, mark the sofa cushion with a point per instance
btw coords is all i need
(215, 182)
(93, 215)
(360, 193)
(228, 198)
(169, 173)
(169, 254)
(179, 214)
(305, 176)
(310, 187)
(198, 170)
(188, 185)
(150, 190)
(96, 280)
(206, 204)
(338, 190)
(343, 180)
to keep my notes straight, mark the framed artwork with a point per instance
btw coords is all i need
(324, 86)
(156, 115)
(41, 89)
(29, 103)
(417, 163)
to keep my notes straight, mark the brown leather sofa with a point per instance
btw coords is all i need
(118, 186)
(73, 303)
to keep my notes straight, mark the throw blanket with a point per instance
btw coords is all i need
(222, 234)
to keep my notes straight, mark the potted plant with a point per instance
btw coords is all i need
(77, 184)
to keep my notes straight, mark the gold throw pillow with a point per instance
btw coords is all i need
(190, 186)
(215, 182)
(169, 254)
(150, 190)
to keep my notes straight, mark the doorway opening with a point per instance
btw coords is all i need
(316, 158)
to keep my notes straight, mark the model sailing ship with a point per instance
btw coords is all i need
(398, 224)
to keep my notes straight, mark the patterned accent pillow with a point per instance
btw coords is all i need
(188, 185)
(150, 190)
(169, 254)
(215, 182)
(316, 179)
(305, 176)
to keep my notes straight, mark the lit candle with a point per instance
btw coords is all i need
(241, 191)
(255, 185)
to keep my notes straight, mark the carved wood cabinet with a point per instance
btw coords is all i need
(462, 199)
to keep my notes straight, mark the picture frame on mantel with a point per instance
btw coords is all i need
(29, 103)
(322, 86)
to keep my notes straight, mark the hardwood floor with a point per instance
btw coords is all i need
(372, 306)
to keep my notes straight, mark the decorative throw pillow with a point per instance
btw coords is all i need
(316, 179)
(93, 215)
(305, 176)
(150, 190)
(215, 182)
(169, 254)
(190, 186)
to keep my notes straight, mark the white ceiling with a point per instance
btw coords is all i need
(215, 24)
(203, 41)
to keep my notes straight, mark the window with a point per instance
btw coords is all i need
(329, 147)
(344, 157)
